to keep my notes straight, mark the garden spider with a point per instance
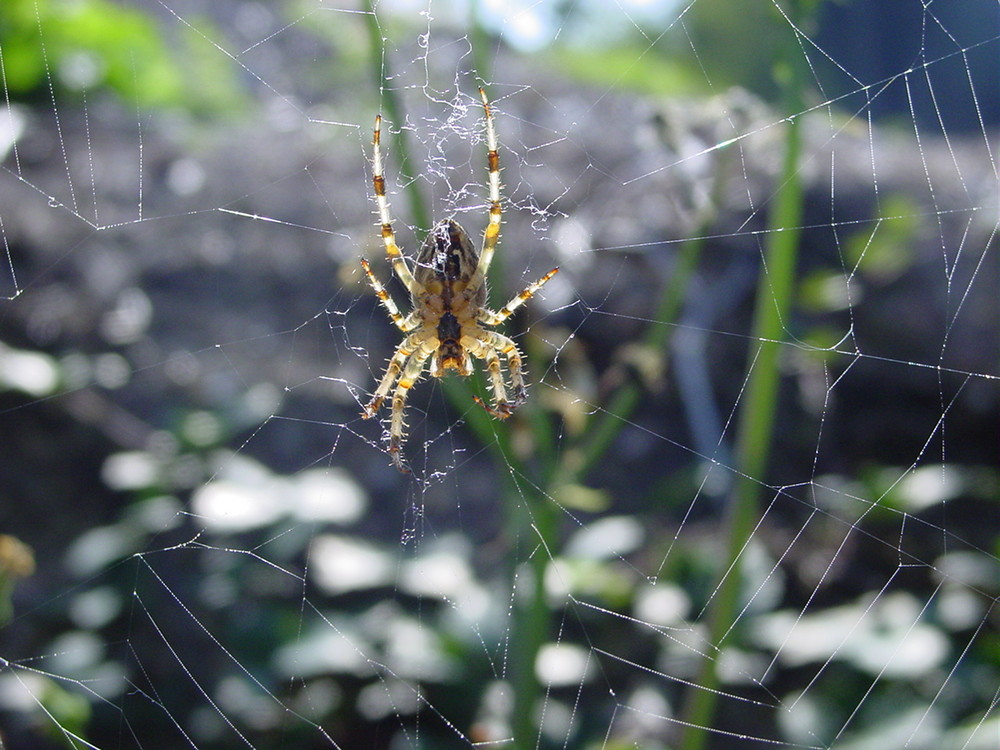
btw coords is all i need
(448, 293)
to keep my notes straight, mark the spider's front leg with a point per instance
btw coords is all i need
(405, 324)
(491, 318)
(385, 217)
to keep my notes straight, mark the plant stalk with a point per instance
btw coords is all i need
(775, 289)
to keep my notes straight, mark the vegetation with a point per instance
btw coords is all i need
(294, 620)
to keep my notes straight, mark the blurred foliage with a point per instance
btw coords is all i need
(89, 45)
(69, 712)
(56, 712)
(160, 563)
(886, 252)
(16, 561)
(744, 47)
(348, 55)
(656, 74)
(873, 257)
(335, 649)
(720, 47)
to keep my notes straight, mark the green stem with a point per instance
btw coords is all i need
(626, 399)
(532, 617)
(531, 620)
(757, 417)
(531, 611)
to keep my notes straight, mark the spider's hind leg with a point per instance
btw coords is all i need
(396, 454)
(397, 427)
(490, 345)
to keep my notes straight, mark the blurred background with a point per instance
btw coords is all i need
(751, 500)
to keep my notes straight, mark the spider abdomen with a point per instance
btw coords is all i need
(445, 264)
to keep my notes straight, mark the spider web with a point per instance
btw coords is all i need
(750, 501)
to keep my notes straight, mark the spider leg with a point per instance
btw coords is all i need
(488, 345)
(492, 235)
(388, 236)
(414, 343)
(489, 354)
(397, 427)
(491, 318)
(405, 324)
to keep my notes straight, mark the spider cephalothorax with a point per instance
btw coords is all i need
(448, 293)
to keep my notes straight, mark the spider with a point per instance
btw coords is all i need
(448, 293)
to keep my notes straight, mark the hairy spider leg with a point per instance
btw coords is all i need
(397, 427)
(492, 235)
(490, 318)
(405, 324)
(415, 342)
(489, 354)
(388, 236)
(491, 341)
(495, 341)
